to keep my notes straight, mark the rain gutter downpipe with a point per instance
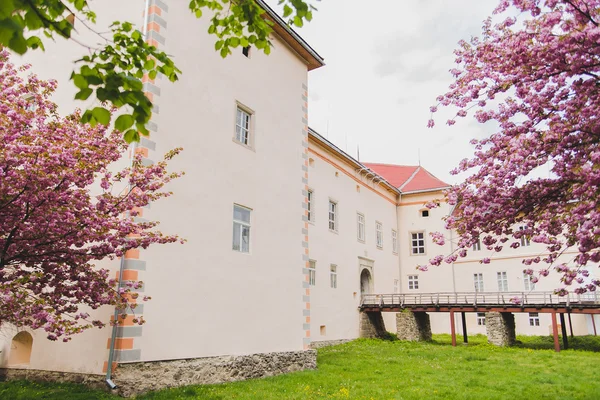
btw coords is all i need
(113, 337)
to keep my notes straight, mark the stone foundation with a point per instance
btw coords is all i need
(327, 343)
(134, 379)
(500, 328)
(36, 375)
(413, 326)
(372, 325)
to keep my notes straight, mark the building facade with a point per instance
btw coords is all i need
(284, 230)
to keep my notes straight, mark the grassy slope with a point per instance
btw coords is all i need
(370, 369)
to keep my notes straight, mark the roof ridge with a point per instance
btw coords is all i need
(410, 178)
(391, 165)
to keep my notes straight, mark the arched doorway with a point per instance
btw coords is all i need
(366, 282)
(20, 349)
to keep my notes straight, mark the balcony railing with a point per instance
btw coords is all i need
(518, 299)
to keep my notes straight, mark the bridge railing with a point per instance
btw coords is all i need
(479, 298)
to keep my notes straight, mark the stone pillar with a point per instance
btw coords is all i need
(371, 325)
(500, 327)
(413, 326)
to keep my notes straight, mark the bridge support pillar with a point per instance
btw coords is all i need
(500, 327)
(413, 326)
(371, 325)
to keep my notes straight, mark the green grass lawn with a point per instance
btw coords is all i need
(376, 369)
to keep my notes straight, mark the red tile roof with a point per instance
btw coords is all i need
(408, 178)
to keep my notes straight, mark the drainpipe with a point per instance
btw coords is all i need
(132, 147)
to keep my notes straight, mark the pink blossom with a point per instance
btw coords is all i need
(48, 163)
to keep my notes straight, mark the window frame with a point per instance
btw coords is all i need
(412, 247)
(333, 276)
(534, 319)
(394, 241)
(335, 216)
(477, 245)
(480, 318)
(239, 107)
(379, 234)
(240, 224)
(478, 282)
(312, 273)
(360, 225)
(310, 205)
(502, 276)
(525, 241)
(527, 284)
(413, 282)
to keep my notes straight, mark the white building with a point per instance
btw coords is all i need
(284, 229)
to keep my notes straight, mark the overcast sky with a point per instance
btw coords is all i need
(386, 62)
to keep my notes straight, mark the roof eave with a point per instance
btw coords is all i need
(315, 135)
(295, 41)
(426, 190)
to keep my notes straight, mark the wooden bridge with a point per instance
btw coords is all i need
(503, 302)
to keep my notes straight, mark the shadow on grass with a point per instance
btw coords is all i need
(582, 343)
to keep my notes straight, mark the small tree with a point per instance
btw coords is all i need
(52, 226)
(538, 78)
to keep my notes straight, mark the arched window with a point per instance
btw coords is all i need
(20, 349)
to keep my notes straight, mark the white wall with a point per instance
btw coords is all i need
(459, 275)
(337, 309)
(206, 298)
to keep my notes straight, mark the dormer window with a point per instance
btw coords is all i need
(424, 213)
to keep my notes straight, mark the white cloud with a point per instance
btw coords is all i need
(387, 61)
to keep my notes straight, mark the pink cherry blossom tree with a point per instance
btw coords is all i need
(62, 207)
(537, 77)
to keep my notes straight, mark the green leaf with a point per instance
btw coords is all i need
(7, 7)
(80, 81)
(287, 11)
(18, 43)
(131, 136)
(102, 115)
(218, 44)
(234, 42)
(34, 42)
(83, 94)
(149, 64)
(123, 122)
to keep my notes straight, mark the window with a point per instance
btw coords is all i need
(502, 282)
(524, 239)
(333, 276)
(481, 319)
(246, 51)
(478, 281)
(309, 205)
(241, 229)
(418, 243)
(394, 241)
(333, 225)
(527, 282)
(424, 213)
(477, 245)
(242, 127)
(379, 234)
(396, 286)
(312, 273)
(534, 319)
(360, 222)
(413, 282)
